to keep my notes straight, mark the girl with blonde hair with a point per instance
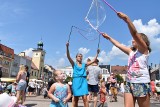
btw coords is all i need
(21, 80)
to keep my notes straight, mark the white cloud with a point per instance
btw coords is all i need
(152, 30)
(117, 53)
(28, 52)
(61, 62)
(105, 58)
(114, 54)
(83, 51)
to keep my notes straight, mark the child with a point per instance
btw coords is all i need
(13, 90)
(79, 82)
(103, 94)
(59, 92)
(138, 79)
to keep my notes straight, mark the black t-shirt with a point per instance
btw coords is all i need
(50, 84)
(28, 75)
(108, 85)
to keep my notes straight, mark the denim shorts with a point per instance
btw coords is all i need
(93, 88)
(21, 86)
(138, 89)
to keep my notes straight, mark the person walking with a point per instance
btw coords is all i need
(94, 75)
(113, 88)
(138, 78)
(103, 94)
(21, 79)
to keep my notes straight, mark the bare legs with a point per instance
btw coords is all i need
(75, 101)
(129, 100)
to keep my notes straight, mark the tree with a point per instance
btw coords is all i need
(119, 78)
(68, 79)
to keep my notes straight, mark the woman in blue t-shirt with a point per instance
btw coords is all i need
(79, 83)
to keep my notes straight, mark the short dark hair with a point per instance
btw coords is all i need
(26, 66)
(78, 54)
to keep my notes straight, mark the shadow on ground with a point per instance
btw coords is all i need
(30, 105)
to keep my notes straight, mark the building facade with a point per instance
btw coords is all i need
(38, 59)
(155, 72)
(19, 59)
(6, 58)
(121, 70)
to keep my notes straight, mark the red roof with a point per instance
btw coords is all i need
(119, 69)
(7, 51)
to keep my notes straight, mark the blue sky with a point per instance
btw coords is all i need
(24, 22)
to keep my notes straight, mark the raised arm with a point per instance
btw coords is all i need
(68, 54)
(136, 36)
(95, 58)
(117, 44)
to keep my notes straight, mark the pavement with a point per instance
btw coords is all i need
(39, 101)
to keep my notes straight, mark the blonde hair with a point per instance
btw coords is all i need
(22, 68)
(55, 74)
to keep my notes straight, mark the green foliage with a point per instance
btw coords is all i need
(119, 78)
(68, 79)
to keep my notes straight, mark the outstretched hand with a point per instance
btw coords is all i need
(122, 16)
(105, 35)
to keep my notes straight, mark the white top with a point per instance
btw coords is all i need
(32, 84)
(137, 68)
(94, 72)
(157, 85)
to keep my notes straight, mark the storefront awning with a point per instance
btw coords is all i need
(8, 79)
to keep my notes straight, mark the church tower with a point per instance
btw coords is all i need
(38, 58)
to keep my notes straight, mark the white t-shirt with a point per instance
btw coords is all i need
(94, 72)
(32, 84)
(137, 68)
(157, 85)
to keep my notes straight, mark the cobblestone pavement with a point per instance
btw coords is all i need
(39, 101)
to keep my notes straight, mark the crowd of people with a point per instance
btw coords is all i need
(21, 87)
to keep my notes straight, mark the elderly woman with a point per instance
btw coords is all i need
(21, 79)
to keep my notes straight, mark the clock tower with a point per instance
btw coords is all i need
(38, 58)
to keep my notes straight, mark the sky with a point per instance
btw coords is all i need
(23, 23)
